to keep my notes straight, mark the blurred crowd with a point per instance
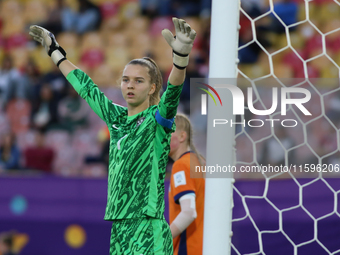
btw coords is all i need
(278, 39)
(293, 38)
(41, 114)
(44, 125)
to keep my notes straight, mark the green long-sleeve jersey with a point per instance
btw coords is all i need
(139, 148)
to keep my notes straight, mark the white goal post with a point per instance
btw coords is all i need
(218, 191)
(316, 140)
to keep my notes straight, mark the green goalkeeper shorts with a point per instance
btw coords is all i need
(144, 236)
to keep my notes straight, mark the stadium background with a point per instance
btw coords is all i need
(57, 206)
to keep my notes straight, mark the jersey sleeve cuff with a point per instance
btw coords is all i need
(169, 84)
(179, 195)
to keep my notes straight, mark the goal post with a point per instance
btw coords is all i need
(219, 190)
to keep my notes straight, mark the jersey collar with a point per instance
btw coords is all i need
(186, 153)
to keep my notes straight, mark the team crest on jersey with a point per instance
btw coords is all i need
(179, 178)
(139, 121)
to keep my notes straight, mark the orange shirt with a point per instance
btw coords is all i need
(190, 241)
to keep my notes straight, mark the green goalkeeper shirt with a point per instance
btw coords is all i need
(139, 148)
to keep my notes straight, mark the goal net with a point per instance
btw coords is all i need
(286, 197)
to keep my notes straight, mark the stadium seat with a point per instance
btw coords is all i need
(10, 9)
(85, 141)
(66, 163)
(20, 57)
(137, 25)
(103, 76)
(35, 12)
(26, 139)
(18, 112)
(91, 40)
(129, 9)
(141, 47)
(293, 60)
(328, 12)
(42, 60)
(329, 71)
(92, 58)
(13, 32)
(108, 9)
(58, 139)
(158, 24)
(297, 40)
(110, 25)
(4, 123)
(96, 170)
(118, 39)
(283, 71)
(70, 42)
(117, 58)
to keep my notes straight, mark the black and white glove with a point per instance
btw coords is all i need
(47, 39)
(182, 43)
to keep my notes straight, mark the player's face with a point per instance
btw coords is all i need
(135, 85)
(175, 141)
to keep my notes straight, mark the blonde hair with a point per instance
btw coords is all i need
(155, 77)
(183, 123)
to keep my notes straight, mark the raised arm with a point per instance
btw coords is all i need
(83, 84)
(181, 46)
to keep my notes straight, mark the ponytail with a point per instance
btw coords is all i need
(183, 123)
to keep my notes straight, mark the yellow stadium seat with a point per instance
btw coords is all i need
(35, 12)
(283, 71)
(117, 58)
(103, 76)
(331, 26)
(302, 12)
(328, 12)
(118, 39)
(281, 42)
(337, 58)
(91, 40)
(68, 40)
(329, 71)
(20, 57)
(129, 10)
(10, 9)
(297, 41)
(42, 60)
(140, 47)
(73, 4)
(13, 25)
(111, 24)
(164, 60)
(138, 24)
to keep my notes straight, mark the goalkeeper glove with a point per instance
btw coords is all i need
(181, 43)
(47, 39)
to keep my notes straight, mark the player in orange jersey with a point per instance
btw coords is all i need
(186, 194)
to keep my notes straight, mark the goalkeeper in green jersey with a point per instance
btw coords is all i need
(139, 140)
